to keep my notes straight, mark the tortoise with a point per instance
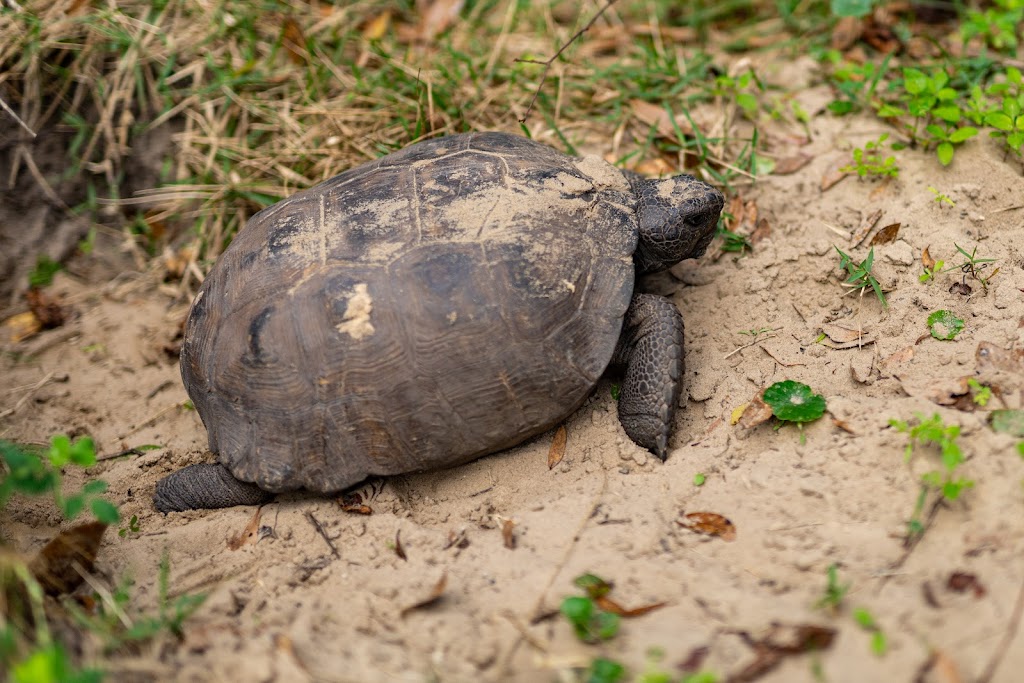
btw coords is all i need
(441, 303)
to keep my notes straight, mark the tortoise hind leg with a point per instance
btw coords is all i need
(651, 349)
(199, 487)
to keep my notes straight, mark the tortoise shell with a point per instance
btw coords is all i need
(443, 302)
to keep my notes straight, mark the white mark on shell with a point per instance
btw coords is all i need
(356, 321)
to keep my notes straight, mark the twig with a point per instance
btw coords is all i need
(31, 392)
(547, 62)
(148, 421)
(6, 108)
(749, 344)
(1004, 644)
(120, 454)
(320, 530)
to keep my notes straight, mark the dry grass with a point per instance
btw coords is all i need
(261, 102)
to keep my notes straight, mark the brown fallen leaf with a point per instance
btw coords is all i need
(435, 17)
(942, 666)
(399, 550)
(557, 450)
(22, 326)
(354, 503)
(926, 259)
(55, 567)
(653, 115)
(780, 642)
(868, 222)
(695, 659)
(886, 235)
(709, 524)
(508, 536)
(757, 412)
(834, 173)
(293, 40)
(846, 337)
(377, 27)
(792, 164)
(762, 232)
(609, 605)
(961, 582)
(846, 32)
(47, 308)
(250, 534)
(434, 596)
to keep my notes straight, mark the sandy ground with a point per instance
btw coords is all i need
(286, 605)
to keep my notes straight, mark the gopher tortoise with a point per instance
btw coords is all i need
(438, 304)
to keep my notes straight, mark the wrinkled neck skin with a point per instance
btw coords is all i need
(677, 220)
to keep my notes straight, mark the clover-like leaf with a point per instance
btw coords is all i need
(794, 402)
(944, 325)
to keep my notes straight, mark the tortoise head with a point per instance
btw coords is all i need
(677, 218)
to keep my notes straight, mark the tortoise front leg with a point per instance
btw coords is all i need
(651, 349)
(200, 487)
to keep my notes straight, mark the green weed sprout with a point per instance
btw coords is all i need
(997, 26)
(795, 403)
(603, 670)
(868, 160)
(943, 325)
(860, 276)
(864, 619)
(590, 623)
(835, 592)
(1008, 117)
(940, 197)
(933, 431)
(974, 266)
(34, 474)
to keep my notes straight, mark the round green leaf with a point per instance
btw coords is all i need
(964, 133)
(105, 511)
(949, 113)
(999, 120)
(794, 402)
(945, 153)
(944, 325)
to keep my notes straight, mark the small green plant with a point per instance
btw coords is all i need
(793, 402)
(929, 273)
(980, 393)
(755, 333)
(943, 325)
(590, 623)
(132, 528)
(974, 266)
(734, 242)
(42, 275)
(860, 278)
(941, 198)
(1007, 117)
(997, 25)
(603, 670)
(741, 90)
(40, 474)
(835, 592)
(699, 479)
(869, 160)
(855, 85)
(864, 618)
(933, 431)
(929, 112)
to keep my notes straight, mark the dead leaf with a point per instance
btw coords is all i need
(961, 582)
(377, 27)
(557, 450)
(943, 668)
(456, 539)
(654, 167)
(792, 164)
(695, 659)
(250, 534)
(757, 412)
(434, 596)
(881, 36)
(780, 642)
(47, 309)
(435, 17)
(867, 223)
(845, 337)
(399, 550)
(834, 173)
(709, 524)
(22, 326)
(353, 503)
(609, 605)
(886, 235)
(846, 32)
(961, 288)
(653, 115)
(508, 534)
(926, 259)
(56, 567)
(294, 41)
(762, 232)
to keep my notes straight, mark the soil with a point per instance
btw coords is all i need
(303, 590)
